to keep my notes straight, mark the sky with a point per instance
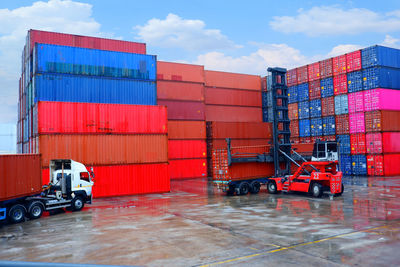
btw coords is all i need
(236, 36)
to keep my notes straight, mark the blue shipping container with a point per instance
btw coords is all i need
(327, 87)
(304, 110)
(329, 125)
(341, 104)
(302, 91)
(316, 127)
(359, 165)
(315, 108)
(381, 77)
(345, 164)
(304, 128)
(292, 94)
(83, 61)
(71, 88)
(344, 143)
(380, 56)
(265, 114)
(354, 81)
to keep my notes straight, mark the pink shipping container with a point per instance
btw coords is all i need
(381, 99)
(314, 89)
(302, 74)
(340, 84)
(325, 68)
(339, 65)
(291, 77)
(184, 110)
(356, 102)
(357, 123)
(353, 61)
(313, 72)
(374, 143)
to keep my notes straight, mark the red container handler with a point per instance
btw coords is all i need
(232, 97)
(232, 80)
(340, 84)
(233, 113)
(339, 65)
(375, 165)
(328, 106)
(342, 124)
(171, 90)
(187, 149)
(314, 89)
(382, 120)
(293, 111)
(357, 143)
(374, 143)
(291, 77)
(302, 74)
(184, 110)
(325, 68)
(178, 130)
(391, 164)
(187, 168)
(353, 61)
(313, 71)
(172, 71)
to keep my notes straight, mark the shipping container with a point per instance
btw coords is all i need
(187, 168)
(315, 108)
(357, 123)
(341, 104)
(303, 92)
(69, 117)
(232, 97)
(359, 164)
(187, 149)
(221, 143)
(325, 67)
(345, 164)
(344, 143)
(313, 72)
(178, 130)
(374, 143)
(391, 164)
(316, 127)
(83, 61)
(305, 140)
(327, 87)
(390, 142)
(353, 61)
(304, 128)
(328, 125)
(104, 149)
(239, 130)
(293, 110)
(342, 124)
(294, 128)
(375, 165)
(358, 143)
(304, 110)
(356, 102)
(381, 77)
(380, 56)
(354, 81)
(171, 90)
(20, 176)
(72, 88)
(291, 77)
(233, 114)
(327, 106)
(184, 110)
(340, 84)
(339, 65)
(381, 99)
(232, 80)
(293, 95)
(172, 71)
(302, 74)
(315, 89)
(382, 120)
(294, 140)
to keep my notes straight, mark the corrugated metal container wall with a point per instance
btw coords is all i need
(187, 168)
(345, 164)
(304, 110)
(304, 128)
(315, 108)
(357, 142)
(293, 110)
(232, 97)
(381, 99)
(381, 77)
(339, 65)
(104, 149)
(342, 124)
(390, 142)
(184, 110)
(315, 89)
(375, 165)
(302, 74)
(186, 130)
(353, 61)
(71, 88)
(119, 180)
(325, 68)
(293, 95)
(356, 102)
(357, 122)
(180, 72)
(316, 127)
(221, 143)
(55, 38)
(327, 106)
(354, 81)
(344, 143)
(233, 114)
(328, 125)
(374, 143)
(313, 72)
(250, 170)
(327, 87)
(294, 128)
(340, 84)
(391, 164)
(83, 61)
(242, 130)
(69, 117)
(187, 149)
(382, 120)
(232, 80)
(341, 104)
(303, 92)
(359, 165)
(380, 56)
(171, 90)
(291, 77)
(20, 176)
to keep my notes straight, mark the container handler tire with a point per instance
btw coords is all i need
(255, 187)
(341, 192)
(244, 188)
(17, 213)
(77, 203)
(271, 186)
(316, 190)
(35, 210)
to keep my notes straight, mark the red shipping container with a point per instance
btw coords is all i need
(56, 38)
(264, 84)
(382, 120)
(232, 80)
(180, 72)
(313, 72)
(221, 143)
(374, 143)
(357, 143)
(329, 138)
(187, 149)
(171, 90)
(184, 110)
(390, 142)
(233, 114)
(381, 99)
(293, 111)
(315, 89)
(187, 168)
(340, 84)
(294, 140)
(291, 77)
(186, 130)
(232, 97)
(357, 122)
(302, 74)
(353, 61)
(239, 130)
(328, 106)
(294, 128)
(391, 164)
(375, 165)
(339, 65)
(305, 140)
(342, 124)
(325, 68)
(69, 117)
(356, 102)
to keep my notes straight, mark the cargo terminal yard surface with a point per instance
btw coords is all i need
(196, 225)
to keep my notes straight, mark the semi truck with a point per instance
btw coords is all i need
(22, 194)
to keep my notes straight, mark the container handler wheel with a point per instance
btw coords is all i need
(316, 190)
(271, 186)
(244, 188)
(35, 210)
(255, 187)
(17, 213)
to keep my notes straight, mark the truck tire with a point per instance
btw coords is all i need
(341, 192)
(244, 188)
(255, 187)
(316, 190)
(271, 187)
(35, 210)
(17, 213)
(77, 203)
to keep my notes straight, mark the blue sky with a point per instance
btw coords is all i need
(238, 36)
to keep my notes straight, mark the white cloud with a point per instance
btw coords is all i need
(177, 32)
(391, 41)
(332, 20)
(343, 49)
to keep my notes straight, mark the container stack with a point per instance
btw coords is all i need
(345, 98)
(180, 87)
(94, 100)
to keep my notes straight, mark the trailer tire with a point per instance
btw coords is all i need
(17, 213)
(255, 187)
(341, 192)
(271, 187)
(316, 190)
(35, 210)
(77, 203)
(244, 188)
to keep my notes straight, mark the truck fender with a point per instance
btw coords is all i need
(81, 193)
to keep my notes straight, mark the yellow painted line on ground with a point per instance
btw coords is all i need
(291, 247)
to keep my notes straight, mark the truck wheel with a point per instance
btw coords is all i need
(244, 188)
(77, 204)
(341, 192)
(17, 213)
(35, 210)
(316, 190)
(271, 186)
(231, 190)
(255, 187)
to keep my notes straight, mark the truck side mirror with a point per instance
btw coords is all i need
(91, 172)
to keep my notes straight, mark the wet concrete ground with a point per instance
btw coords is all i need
(195, 225)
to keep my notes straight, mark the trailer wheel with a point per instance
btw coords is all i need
(244, 188)
(271, 186)
(17, 213)
(341, 192)
(255, 187)
(77, 203)
(35, 210)
(316, 190)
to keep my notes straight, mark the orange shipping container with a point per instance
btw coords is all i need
(180, 72)
(232, 80)
(186, 130)
(232, 97)
(104, 149)
(180, 91)
(187, 168)
(233, 114)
